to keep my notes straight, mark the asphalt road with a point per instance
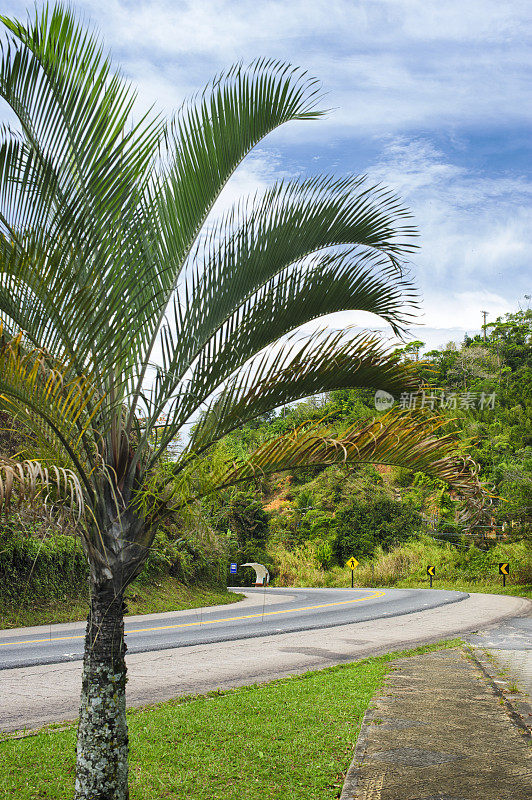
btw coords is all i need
(264, 613)
(360, 624)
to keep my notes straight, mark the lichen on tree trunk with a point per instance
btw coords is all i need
(102, 748)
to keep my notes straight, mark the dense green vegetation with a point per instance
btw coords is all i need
(497, 374)
(290, 738)
(317, 518)
(362, 526)
(44, 572)
(458, 566)
(304, 524)
(163, 594)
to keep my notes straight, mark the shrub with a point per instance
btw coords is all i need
(38, 564)
(31, 568)
(298, 567)
(364, 526)
(246, 523)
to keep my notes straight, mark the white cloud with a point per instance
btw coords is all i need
(476, 243)
(476, 20)
(217, 27)
(388, 64)
(474, 228)
(443, 318)
(461, 310)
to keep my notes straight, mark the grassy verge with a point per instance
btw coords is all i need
(456, 584)
(484, 587)
(481, 586)
(164, 594)
(290, 738)
(464, 568)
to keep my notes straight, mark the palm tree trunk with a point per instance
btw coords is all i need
(102, 748)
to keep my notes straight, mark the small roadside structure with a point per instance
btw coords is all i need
(262, 576)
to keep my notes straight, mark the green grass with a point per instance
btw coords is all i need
(465, 569)
(292, 738)
(468, 570)
(164, 594)
(482, 586)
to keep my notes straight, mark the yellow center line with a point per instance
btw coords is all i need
(205, 621)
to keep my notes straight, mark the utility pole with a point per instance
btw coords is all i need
(484, 314)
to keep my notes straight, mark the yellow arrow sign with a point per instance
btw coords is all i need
(431, 570)
(504, 568)
(352, 563)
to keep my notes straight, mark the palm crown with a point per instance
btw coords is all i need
(106, 259)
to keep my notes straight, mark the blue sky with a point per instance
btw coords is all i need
(429, 97)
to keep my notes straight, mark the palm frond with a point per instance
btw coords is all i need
(24, 481)
(71, 185)
(211, 135)
(73, 112)
(206, 142)
(53, 404)
(296, 368)
(332, 283)
(264, 241)
(402, 439)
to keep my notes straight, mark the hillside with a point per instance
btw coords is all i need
(483, 387)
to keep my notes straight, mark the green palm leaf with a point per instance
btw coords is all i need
(299, 368)
(411, 440)
(267, 243)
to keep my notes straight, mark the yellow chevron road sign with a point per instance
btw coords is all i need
(431, 570)
(504, 568)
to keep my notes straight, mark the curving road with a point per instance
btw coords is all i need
(266, 636)
(264, 613)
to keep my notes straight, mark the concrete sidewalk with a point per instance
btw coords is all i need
(508, 646)
(441, 730)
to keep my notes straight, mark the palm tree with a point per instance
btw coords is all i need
(127, 309)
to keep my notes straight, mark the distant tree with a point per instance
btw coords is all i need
(243, 515)
(361, 527)
(511, 336)
(411, 350)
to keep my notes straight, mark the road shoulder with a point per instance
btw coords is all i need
(36, 696)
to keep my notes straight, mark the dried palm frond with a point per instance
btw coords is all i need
(25, 481)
